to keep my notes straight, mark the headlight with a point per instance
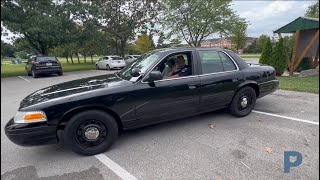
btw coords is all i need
(30, 117)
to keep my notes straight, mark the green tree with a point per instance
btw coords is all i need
(21, 54)
(40, 22)
(279, 58)
(313, 10)
(251, 48)
(121, 19)
(260, 42)
(143, 44)
(239, 35)
(161, 40)
(7, 50)
(196, 20)
(266, 52)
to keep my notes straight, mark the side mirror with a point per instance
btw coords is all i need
(154, 76)
(135, 72)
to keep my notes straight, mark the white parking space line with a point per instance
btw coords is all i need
(286, 117)
(24, 78)
(122, 173)
(72, 75)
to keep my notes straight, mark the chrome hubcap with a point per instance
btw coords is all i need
(244, 102)
(92, 133)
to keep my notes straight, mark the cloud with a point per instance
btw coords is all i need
(266, 16)
(270, 11)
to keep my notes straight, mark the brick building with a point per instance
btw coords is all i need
(223, 43)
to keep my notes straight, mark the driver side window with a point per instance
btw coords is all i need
(175, 65)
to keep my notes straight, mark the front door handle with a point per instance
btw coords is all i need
(192, 87)
(235, 79)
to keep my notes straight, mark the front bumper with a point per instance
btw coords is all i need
(31, 134)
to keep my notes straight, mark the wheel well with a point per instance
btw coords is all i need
(254, 86)
(64, 120)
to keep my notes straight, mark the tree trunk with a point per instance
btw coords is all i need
(67, 59)
(85, 58)
(122, 48)
(78, 58)
(91, 59)
(71, 59)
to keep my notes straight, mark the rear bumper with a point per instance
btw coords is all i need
(31, 134)
(120, 65)
(268, 87)
(47, 70)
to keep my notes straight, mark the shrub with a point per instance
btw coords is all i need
(304, 65)
(265, 57)
(279, 58)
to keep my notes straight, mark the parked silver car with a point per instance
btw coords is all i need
(110, 62)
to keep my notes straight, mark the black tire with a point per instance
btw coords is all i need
(238, 107)
(34, 75)
(76, 139)
(28, 73)
(108, 67)
(60, 73)
(97, 67)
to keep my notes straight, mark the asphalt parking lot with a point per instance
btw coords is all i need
(210, 146)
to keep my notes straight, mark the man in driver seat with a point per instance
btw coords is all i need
(180, 69)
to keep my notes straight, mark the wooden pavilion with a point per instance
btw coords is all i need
(306, 44)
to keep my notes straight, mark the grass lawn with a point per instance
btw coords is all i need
(8, 70)
(302, 84)
(248, 56)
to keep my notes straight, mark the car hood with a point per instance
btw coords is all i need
(71, 88)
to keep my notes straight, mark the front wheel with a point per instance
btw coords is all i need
(243, 102)
(108, 67)
(91, 132)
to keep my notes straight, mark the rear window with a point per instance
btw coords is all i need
(116, 58)
(46, 59)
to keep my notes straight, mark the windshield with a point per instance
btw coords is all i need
(116, 58)
(142, 63)
(48, 58)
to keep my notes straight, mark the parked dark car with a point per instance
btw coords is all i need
(43, 65)
(89, 113)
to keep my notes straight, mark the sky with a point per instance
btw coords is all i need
(266, 16)
(263, 16)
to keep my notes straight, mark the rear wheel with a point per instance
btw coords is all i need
(97, 67)
(243, 102)
(28, 73)
(34, 75)
(60, 73)
(91, 132)
(108, 67)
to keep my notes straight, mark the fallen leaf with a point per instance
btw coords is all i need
(211, 126)
(306, 141)
(268, 149)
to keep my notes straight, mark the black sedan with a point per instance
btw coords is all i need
(40, 65)
(89, 113)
